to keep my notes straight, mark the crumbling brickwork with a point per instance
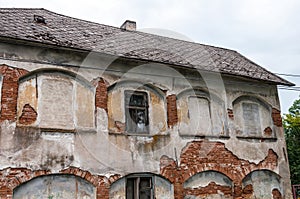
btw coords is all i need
(101, 94)
(9, 93)
(230, 113)
(199, 156)
(210, 189)
(172, 110)
(204, 122)
(277, 120)
(28, 116)
(12, 177)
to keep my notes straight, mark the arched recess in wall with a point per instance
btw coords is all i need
(208, 184)
(64, 186)
(253, 117)
(136, 108)
(142, 185)
(263, 184)
(201, 113)
(56, 99)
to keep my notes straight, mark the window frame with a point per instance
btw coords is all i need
(136, 178)
(129, 126)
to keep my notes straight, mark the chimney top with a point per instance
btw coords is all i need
(129, 25)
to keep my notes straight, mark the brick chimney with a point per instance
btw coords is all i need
(129, 25)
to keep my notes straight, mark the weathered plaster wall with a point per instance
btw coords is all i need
(54, 123)
(56, 187)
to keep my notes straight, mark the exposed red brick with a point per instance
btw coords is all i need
(268, 131)
(276, 116)
(230, 113)
(29, 115)
(199, 156)
(9, 93)
(211, 188)
(10, 178)
(114, 178)
(276, 194)
(172, 110)
(101, 94)
(248, 191)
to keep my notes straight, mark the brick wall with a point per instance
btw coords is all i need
(172, 110)
(101, 94)
(28, 116)
(9, 93)
(199, 156)
(276, 116)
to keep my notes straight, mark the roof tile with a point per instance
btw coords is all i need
(70, 32)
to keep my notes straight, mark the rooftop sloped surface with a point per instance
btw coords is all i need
(64, 31)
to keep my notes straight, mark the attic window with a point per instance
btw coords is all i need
(39, 19)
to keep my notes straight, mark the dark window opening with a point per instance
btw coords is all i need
(136, 105)
(139, 188)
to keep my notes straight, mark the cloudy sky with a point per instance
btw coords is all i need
(265, 31)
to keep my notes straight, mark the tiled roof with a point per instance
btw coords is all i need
(70, 32)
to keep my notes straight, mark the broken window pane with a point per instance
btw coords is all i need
(136, 105)
(139, 188)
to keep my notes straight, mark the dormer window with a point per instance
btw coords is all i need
(136, 105)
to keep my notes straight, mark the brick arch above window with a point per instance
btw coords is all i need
(16, 177)
(62, 186)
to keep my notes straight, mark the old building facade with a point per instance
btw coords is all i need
(91, 111)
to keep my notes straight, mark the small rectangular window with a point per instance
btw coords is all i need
(136, 109)
(139, 188)
(251, 118)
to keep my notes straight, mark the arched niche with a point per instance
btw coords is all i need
(263, 183)
(208, 184)
(151, 101)
(142, 185)
(59, 99)
(63, 186)
(252, 117)
(201, 113)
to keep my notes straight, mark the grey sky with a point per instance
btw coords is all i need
(265, 31)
